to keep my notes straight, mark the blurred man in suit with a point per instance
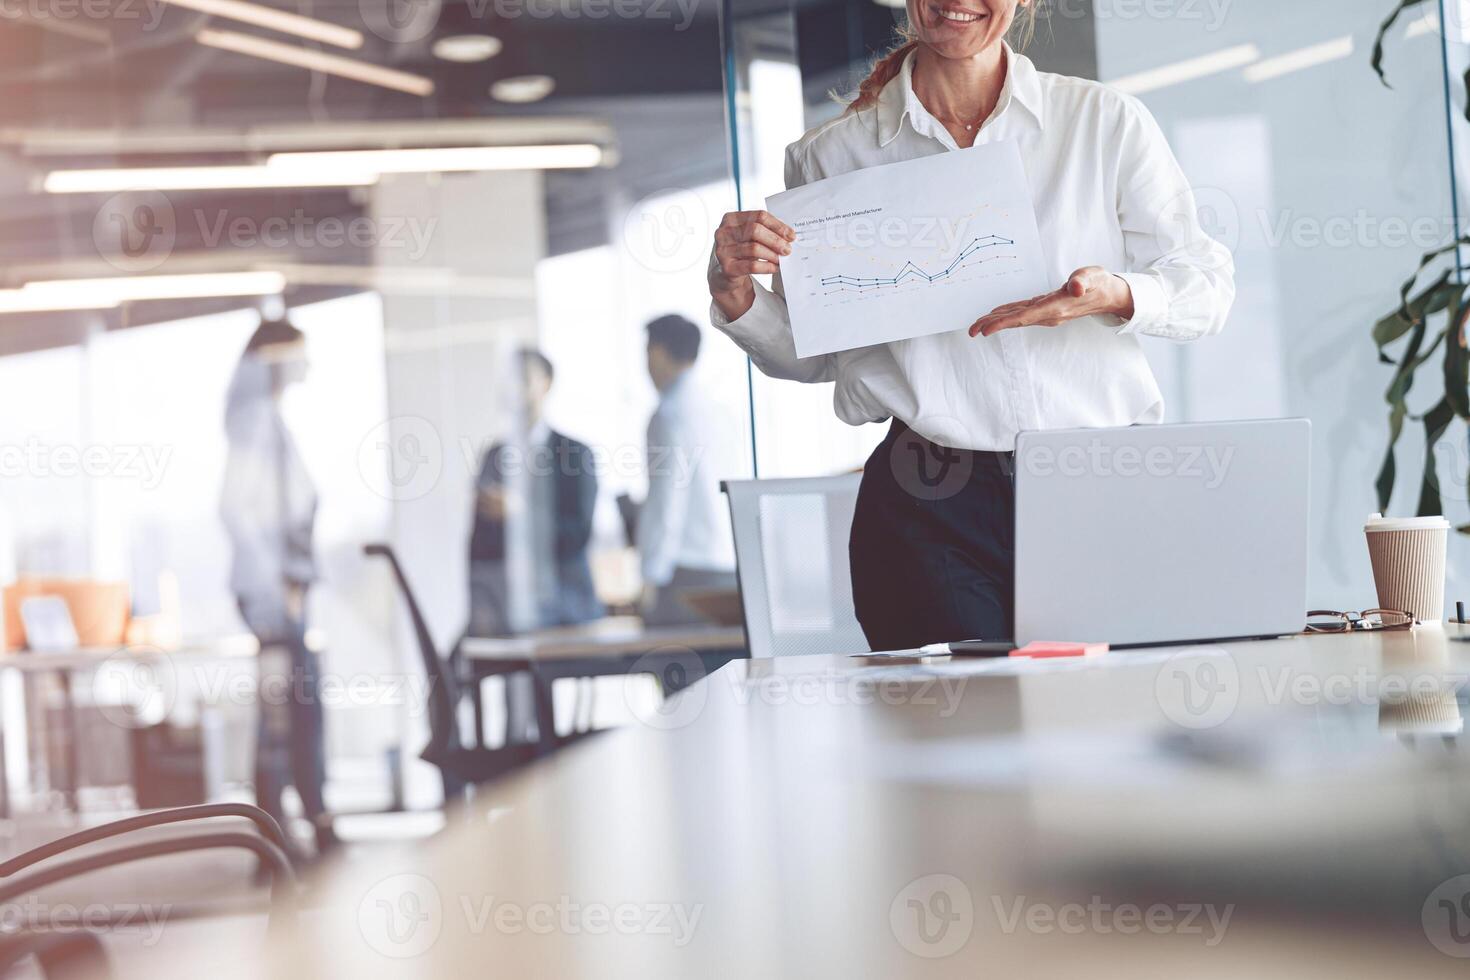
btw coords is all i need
(683, 528)
(533, 519)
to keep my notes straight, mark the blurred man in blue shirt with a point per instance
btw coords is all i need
(683, 528)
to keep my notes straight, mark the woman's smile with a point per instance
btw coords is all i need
(956, 14)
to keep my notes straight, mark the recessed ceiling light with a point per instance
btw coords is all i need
(467, 49)
(894, 4)
(523, 88)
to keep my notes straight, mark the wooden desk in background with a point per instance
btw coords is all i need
(1246, 809)
(677, 655)
(88, 660)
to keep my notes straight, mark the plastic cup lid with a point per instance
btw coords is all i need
(1377, 522)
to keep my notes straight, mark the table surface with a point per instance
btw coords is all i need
(1293, 807)
(88, 658)
(614, 636)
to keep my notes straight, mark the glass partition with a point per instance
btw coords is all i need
(1327, 185)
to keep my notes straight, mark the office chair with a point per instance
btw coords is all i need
(459, 765)
(791, 564)
(76, 954)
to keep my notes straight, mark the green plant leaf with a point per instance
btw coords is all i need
(1396, 395)
(1436, 297)
(1383, 33)
(1436, 420)
(1457, 363)
(1388, 472)
(1403, 378)
(1425, 261)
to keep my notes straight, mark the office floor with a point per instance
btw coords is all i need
(155, 902)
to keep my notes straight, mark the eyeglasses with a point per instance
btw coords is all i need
(1328, 621)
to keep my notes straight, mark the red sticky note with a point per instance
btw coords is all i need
(1049, 648)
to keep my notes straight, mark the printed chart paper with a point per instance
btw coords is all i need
(909, 249)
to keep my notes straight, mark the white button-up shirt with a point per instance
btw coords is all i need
(1107, 191)
(685, 522)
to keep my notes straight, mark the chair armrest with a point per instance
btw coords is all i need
(267, 824)
(283, 878)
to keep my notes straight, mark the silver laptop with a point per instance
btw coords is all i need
(1162, 533)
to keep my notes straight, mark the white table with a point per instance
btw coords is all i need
(1072, 820)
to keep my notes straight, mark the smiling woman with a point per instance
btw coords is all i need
(932, 543)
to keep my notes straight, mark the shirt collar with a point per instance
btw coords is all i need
(897, 100)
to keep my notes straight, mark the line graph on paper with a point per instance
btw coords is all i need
(904, 250)
(979, 251)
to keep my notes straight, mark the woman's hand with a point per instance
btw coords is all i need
(1089, 291)
(747, 243)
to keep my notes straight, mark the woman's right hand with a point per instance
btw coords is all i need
(747, 243)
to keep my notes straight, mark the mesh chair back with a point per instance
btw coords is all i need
(791, 553)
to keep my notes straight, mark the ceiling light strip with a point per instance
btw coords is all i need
(331, 64)
(258, 15)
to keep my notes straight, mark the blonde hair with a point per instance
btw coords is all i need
(888, 65)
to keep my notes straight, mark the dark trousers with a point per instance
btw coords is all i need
(933, 544)
(291, 728)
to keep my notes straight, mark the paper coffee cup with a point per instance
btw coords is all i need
(1408, 555)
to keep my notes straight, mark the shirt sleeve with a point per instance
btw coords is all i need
(1183, 281)
(661, 519)
(764, 331)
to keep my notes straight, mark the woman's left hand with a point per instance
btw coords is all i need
(1089, 291)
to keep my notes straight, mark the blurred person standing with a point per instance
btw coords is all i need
(268, 507)
(534, 501)
(683, 528)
